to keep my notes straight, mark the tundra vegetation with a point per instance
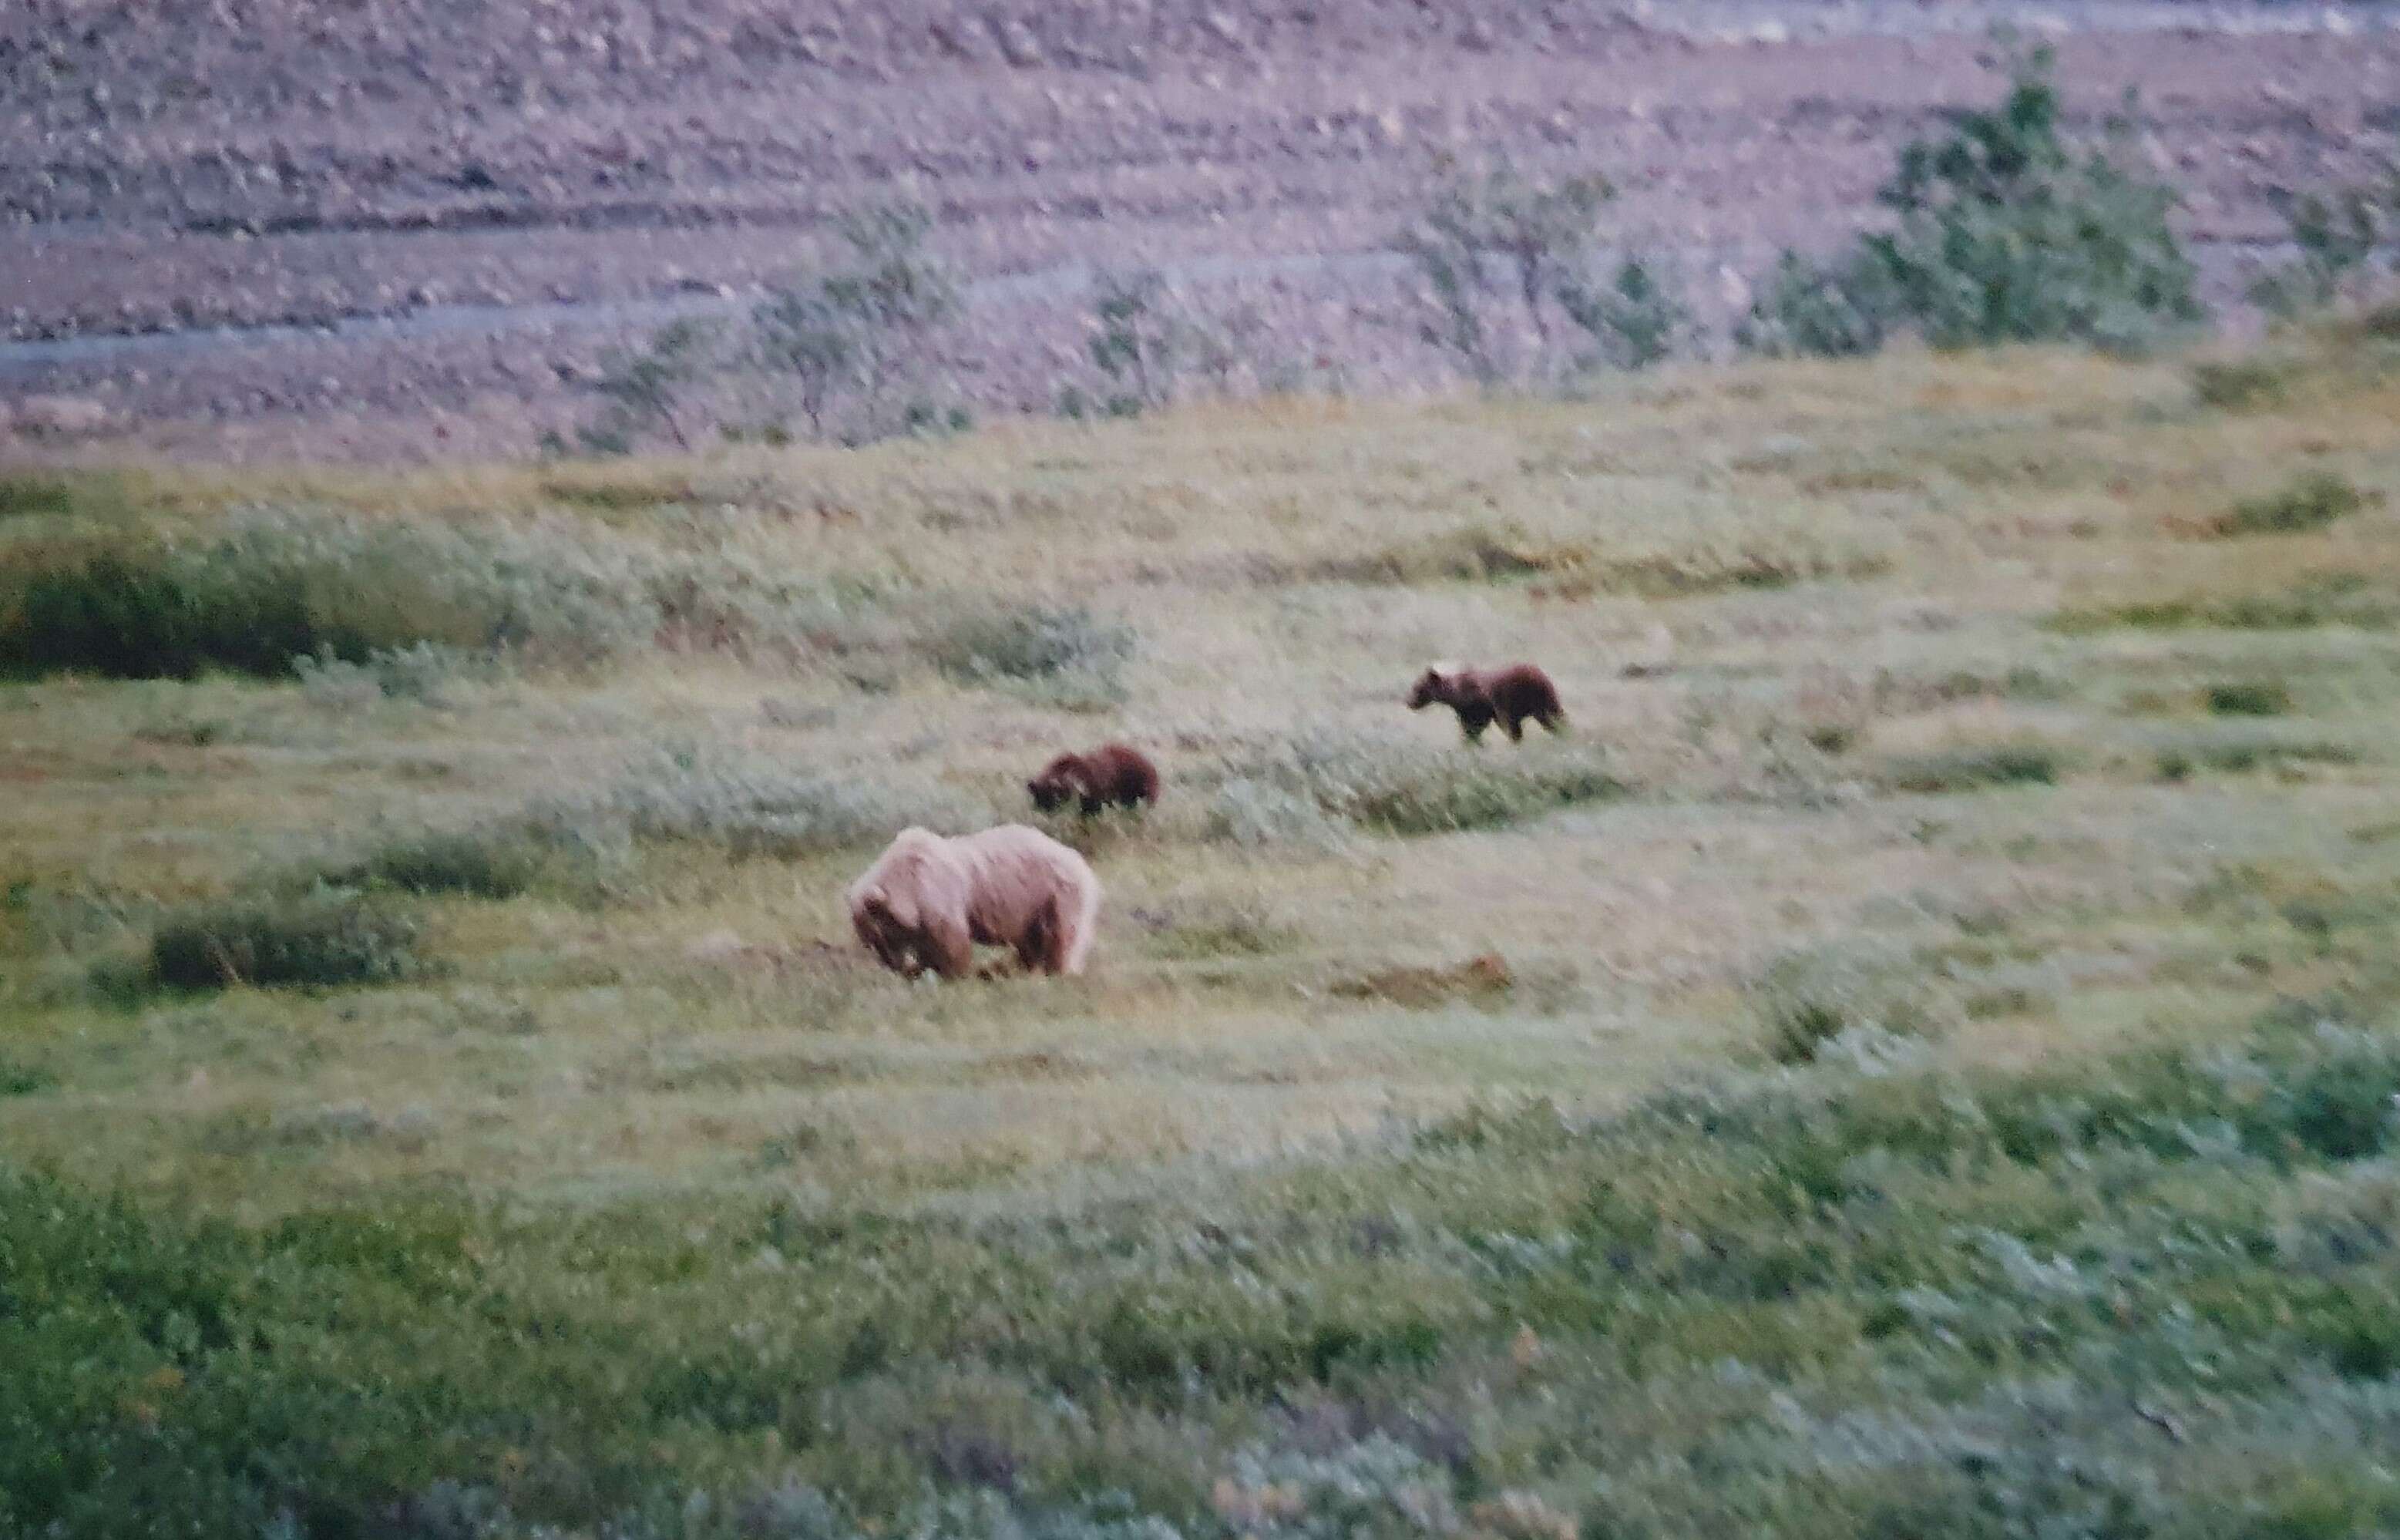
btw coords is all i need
(1920, 1056)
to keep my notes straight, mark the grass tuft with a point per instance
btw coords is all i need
(1979, 768)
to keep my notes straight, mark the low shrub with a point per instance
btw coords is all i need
(409, 602)
(2335, 598)
(2309, 502)
(1808, 998)
(2243, 385)
(28, 492)
(1029, 643)
(1972, 768)
(321, 940)
(489, 863)
(280, 586)
(20, 1078)
(1264, 813)
(1811, 309)
(752, 807)
(1394, 786)
(2250, 698)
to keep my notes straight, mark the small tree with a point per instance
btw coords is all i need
(1483, 236)
(1636, 320)
(800, 333)
(2008, 232)
(1836, 309)
(641, 388)
(896, 297)
(1139, 341)
(866, 325)
(2338, 233)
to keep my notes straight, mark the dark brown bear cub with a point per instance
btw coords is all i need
(1109, 774)
(1480, 696)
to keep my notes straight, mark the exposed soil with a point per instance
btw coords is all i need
(507, 190)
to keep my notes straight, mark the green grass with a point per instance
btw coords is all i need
(1916, 1058)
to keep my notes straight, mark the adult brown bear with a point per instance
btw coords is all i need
(1510, 696)
(928, 901)
(1112, 774)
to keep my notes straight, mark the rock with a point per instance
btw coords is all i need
(1019, 45)
(716, 946)
(58, 416)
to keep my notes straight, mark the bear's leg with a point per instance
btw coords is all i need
(1516, 727)
(1074, 928)
(1472, 723)
(948, 947)
(1037, 948)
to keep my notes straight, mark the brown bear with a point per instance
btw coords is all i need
(928, 901)
(1109, 774)
(1479, 696)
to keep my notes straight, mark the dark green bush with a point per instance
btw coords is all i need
(2250, 698)
(2309, 502)
(2240, 384)
(2008, 232)
(29, 493)
(157, 617)
(321, 940)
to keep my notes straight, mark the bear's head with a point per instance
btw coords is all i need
(1057, 784)
(1432, 684)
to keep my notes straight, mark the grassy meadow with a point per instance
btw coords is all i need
(1917, 1059)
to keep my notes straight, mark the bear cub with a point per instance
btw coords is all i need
(1510, 696)
(1112, 774)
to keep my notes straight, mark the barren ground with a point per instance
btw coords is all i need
(506, 192)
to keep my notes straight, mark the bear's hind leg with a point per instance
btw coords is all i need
(1037, 948)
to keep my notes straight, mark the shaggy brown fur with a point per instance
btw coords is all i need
(1112, 773)
(1510, 695)
(927, 901)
